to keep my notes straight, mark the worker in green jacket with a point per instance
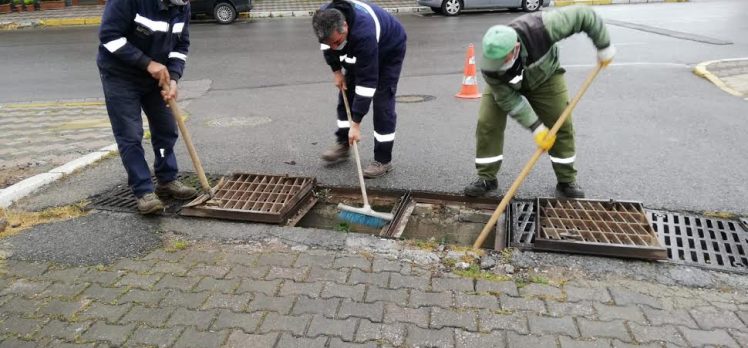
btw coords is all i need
(524, 79)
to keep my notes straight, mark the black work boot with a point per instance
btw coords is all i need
(569, 190)
(176, 190)
(150, 204)
(336, 153)
(480, 187)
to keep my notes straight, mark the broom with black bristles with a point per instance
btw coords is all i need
(364, 215)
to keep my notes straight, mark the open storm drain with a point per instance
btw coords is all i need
(414, 98)
(689, 239)
(121, 199)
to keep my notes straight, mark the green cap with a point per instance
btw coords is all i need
(498, 41)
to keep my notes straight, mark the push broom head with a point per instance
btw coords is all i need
(363, 216)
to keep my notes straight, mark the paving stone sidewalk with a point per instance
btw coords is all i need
(227, 295)
(733, 73)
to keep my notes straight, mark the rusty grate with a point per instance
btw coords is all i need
(256, 197)
(121, 199)
(610, 228)
(702, 241)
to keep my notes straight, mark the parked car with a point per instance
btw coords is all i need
(454, 7)
(224, 11)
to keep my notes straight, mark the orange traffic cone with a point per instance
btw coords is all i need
(469, 88)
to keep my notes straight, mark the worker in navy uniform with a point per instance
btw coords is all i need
(365, 47)
(142, 54)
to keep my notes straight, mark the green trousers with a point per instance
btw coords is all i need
(548, 100)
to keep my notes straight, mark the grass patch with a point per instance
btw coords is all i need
(475, 272)
(175, 245)
(719, 215)
(22, 220)
(429, 245)
(538, 279)
(343, 227)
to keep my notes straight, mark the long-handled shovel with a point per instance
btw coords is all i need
(531, 163)
(208, 192)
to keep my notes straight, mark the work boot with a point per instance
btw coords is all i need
(569, 190)
(150, 204)
(376, 169)
(480, 187)
(335, 153)
(176, 190)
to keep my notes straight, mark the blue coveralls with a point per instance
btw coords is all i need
(372, 59)
(132, 34)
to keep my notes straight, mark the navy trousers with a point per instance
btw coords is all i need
(385, 117)
(125, 97)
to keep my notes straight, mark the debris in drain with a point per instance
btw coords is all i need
(607, 228)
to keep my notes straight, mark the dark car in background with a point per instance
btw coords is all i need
(224, 11)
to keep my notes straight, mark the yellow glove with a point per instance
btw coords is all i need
(544, 141)
(605, 55)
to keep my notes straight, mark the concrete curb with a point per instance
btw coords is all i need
(701, 70)
(21, 189)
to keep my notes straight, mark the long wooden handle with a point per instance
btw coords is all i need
(177, 112)
(534, 159)
(355, 151)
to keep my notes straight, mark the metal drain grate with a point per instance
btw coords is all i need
(121, 199)
(609, 228)
(521, 224)
(256, 197)
(701, 241)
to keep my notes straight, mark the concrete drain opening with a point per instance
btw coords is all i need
(706, 242)
(414, 98)
(121, 199)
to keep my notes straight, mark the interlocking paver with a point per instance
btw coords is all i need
(490, 321)
(515, 340)
(396, 314)
(371, 311)
(380, 279)
(276, 259)
(134, 266)
(67, 275)
(315, 260)
(553, 326)
(65, 330)
(143, 281)
(574, 309)
(419, 298)
(541, 291)
(353, 292)
(104, 278)
(248, 322)
(673, 317)
(465, 339)
(25, 269)
(623, 296)
(57, 308)
(609, 329)
(502, 287)
(710, 318)
(336, 342)
(172, 268)
(177, 282)
(418, 337)
(163, 255)
(236, 303)
(154, 317)
(148, 298)
(454, 284)
(344, 328)
(740, 336)
(576, 294)
(17, 304)
(20, 326)
(226, 286)
(521, 304)
(25, 287)
(663, 333)
(463, 300)
(630, 312)
(262, 302)
(352, 261)
(314, 306)
(241, 258)
(330, 275)
(392, 333)
(190, 300)
(398, 296)
(13, 342)
(290, 273)
(144, 335)
(267, 287)
(239, 339)
(291, 287)
(114, 334)
(289, 341)
(567, 342)
(200, 339)
(295, 324)
(110, 313)
(102, 294)
(422, 282)
(386, 265)
(244, 272)
(185, 317)
(462, 319)
(194, 256)
(699, 338)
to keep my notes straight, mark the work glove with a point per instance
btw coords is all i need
(605, 55)
(542, 138)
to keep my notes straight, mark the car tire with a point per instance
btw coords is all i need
(224, 13)
(452, 7)
(437, 10)
(531, 5)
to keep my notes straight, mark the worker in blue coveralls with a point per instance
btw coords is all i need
(365, 47)
(142, 53)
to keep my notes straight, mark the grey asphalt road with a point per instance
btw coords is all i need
(648, 129)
